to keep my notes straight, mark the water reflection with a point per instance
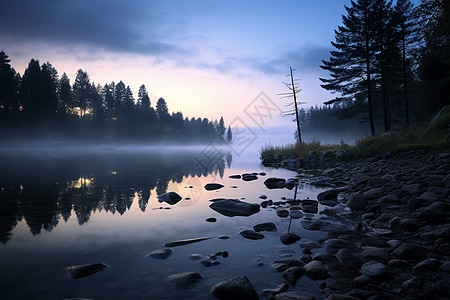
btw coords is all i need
(44, 187)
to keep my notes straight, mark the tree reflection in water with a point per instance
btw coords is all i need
(43, 188)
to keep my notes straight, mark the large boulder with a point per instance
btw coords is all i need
(184, 280)
(80, 271)
(236, 288)
(213, 186)
(275, 183)
(170, 198)
(234, 207)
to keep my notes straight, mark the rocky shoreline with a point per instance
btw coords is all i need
(398, 244)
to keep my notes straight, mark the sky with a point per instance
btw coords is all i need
(205, 58)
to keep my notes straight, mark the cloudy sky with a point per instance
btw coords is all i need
(206, 58)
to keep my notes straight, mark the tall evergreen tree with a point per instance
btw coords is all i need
(30, 90)
(108, 95)
(81, 91)
(221, 129)
(120, 97)
(404, 20)
(49, 87)
(162, 111)
(351, 64)
(65, 95)
(9, 86)
(129, 106)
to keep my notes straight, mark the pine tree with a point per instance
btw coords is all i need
(229, 135)
(9, 86)
(81, 92)
(65, 95)
(351, 64)
(162, 111)
(221, 128)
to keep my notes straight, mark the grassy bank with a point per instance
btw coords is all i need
(430, 137)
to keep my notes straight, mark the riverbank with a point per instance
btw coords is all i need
(399, 243)
(432, 135)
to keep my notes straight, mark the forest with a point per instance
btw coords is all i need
(42, 104)
(389, 67)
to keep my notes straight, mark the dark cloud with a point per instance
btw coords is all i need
(113, 25)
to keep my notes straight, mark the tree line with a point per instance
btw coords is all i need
(41, 99)
(391, 62)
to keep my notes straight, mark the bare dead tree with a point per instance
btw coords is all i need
(294, 89)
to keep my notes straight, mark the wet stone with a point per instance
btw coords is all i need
(270, 293)
(160, 254)
(81, 271)
(282, 212)
(262, 197)
(211, 220)
(184, 280)
(249, 177)
(251, 235)
(275, 183)
(292, 274)
(316, 270)
(213, 186)
(410, 251)
(170, 198)
(294, 295)
(288, 238)
(195, 256)
(237, 288)
(269, 226)
(235, 176)
(374, 270)
(295, 214)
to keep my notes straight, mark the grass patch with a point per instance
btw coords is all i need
(429, 137)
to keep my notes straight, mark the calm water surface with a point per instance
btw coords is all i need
(66, 207)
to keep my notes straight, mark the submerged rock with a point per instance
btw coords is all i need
(275, 183)
(184, 280)
(160, 254)
(80, 271)
(171, 198)
(251, 235)
(213, 186)
(249, 177)
(234, 207)
(294, 295)
(270, 293)
(185, 242)
(236, 288)
(269, 226)
(288, 238)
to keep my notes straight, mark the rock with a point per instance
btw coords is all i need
(185, 242)
(234, 207)
(211, 220)
(171, 198)
(295, 214)
(282, 212)
(288, 238)
(327, 195)
(235, 176)
(184, 280)
(374, 270)
(398, 264)
(441, 287)
(341, 297)
(338, 243)
(413, 283)
(443, 232)
(432, 214)
(236, 288)
(310, 206)
(362, 280)
(346, 257)
(408, 224)
(275, 183)
(269, 226)
(389, 199)
(251, 235)
(270, 293)
(445, 267)
(316, 270)
(311, 225)
(294, 295)
(195, 257)
(160, 254)
(410, 251)
(427, 265)
(357, 202)
(269, 161)
(80, 271)
(208, 262)
(213, 186)
(375, 253)
(376, 182)
(225, 254)
(223, 237)
(292, 274)
(262, 197)
(249, 177)
(374, 193)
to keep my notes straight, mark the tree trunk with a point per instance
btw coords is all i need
(405, 82)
